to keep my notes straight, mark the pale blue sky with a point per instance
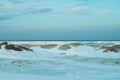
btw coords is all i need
(59, 19)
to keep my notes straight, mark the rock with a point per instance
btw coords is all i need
(97, 44)
(114, 48)
(75, 44)
(14, 47)
(64, 47)
(111, 49)
(68, 46)
(17, 48)
(3, 43)
(25, 48)
(48, 46)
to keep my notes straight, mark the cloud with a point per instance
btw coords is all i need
(105, 11)
(38, 11)
(14, 8)
(8, 6)
(17, 1)
(75, 10)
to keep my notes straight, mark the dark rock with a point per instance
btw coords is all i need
(111, 49)
(75, 44)
(25, 48)
(3, 43)
(114, 48)
(14, 47)
(48, 46)
(64, 47)
(98, 45)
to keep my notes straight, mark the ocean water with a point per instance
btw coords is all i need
(83, 60)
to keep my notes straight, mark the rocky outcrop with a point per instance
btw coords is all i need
(48, 46)
(114, 48)
(15, 47)
(69, 45)
(65, 47)
(75, 44)
(3, 43)
(24, 48)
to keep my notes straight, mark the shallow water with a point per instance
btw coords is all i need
(78, 63)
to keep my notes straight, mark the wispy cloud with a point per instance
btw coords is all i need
(105, 11)
(14, 8)
(75, 10)
(17, 1)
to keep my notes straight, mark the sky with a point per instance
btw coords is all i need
(59, 20)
